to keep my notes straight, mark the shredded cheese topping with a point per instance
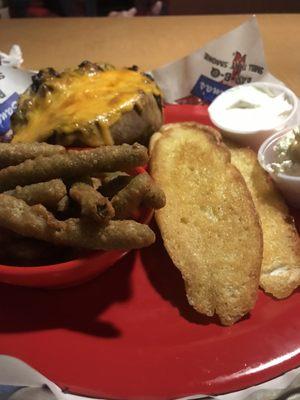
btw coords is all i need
(74, 102)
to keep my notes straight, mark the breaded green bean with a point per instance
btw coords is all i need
(74, 164)
(112, 183)
(93, 205)
(141, 190)
(63, 204)
(107, 177)
(154, 197)
(14, 154)
(37, 222)
(18, 248)
(47, 193)
(96, 183)
(24, 250)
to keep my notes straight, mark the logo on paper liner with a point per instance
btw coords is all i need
(7, 108)
(206, 89)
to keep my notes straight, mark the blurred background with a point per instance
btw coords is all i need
(131, 8)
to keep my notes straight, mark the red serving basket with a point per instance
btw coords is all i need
(67, 273)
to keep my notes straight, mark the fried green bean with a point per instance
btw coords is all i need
(96, 183)
(18, 248)
(37, 222)
(63, 204)
(26, 250)
(14, 154)
(93, 205)
(47, 193)
(141, 190)
(74, 164)
(112, 183)
(110, 176)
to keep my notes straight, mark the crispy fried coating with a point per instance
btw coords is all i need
(14, 154)
(96, 183)
(37, 222)
(47, 193)
(113, 182)
(74, 164)
(63, 204)
(141, 189)
(107, 177)
(18, 248)
(93, 205)
(26, 250)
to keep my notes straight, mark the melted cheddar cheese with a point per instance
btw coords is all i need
(86, 103)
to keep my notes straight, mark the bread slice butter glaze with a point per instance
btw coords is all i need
(209, 225)
(280, 274)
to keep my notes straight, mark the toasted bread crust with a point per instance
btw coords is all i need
(280, 274)
(209, 225)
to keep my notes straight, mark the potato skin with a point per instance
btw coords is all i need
(133, 126)
(139, 124)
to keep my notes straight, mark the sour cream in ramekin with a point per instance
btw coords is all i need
(250, 113)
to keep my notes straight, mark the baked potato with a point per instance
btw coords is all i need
(91, 105)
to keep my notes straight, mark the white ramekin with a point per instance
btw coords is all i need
(288, 185)
(248, 137)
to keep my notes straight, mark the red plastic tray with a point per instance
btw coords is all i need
(130, 333)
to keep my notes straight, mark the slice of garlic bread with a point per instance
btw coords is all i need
(280, 273)
(209, 225)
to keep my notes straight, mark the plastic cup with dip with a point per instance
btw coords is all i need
(289, 185)
(249, 114)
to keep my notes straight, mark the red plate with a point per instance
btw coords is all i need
(130, 334)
